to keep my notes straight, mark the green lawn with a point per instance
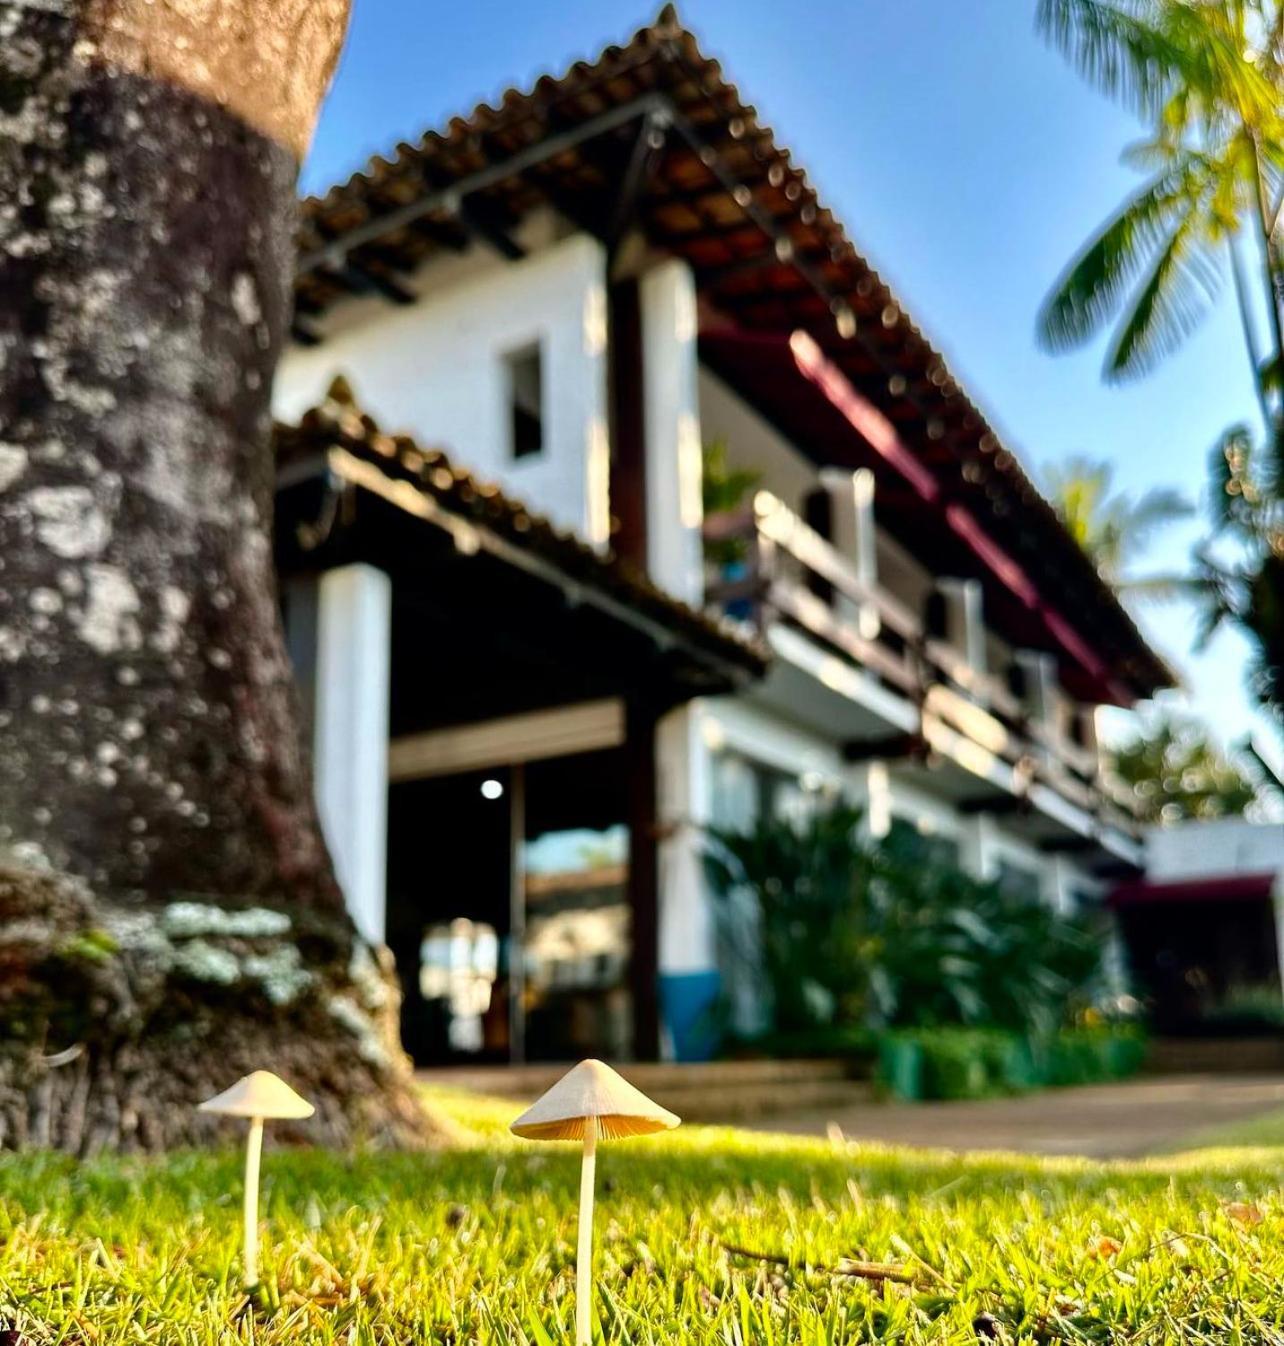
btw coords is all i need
(477, 1244)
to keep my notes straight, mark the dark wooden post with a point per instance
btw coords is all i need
(628, 424)
(644, 878)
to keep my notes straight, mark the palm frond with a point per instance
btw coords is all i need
(1159, 506)
(1143, 52)
(1089, 292)
(1119, 47)
(1171, 302)
(1232, 482)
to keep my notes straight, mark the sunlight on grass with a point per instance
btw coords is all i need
(478, 1244)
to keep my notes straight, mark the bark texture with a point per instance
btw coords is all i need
(165, 893)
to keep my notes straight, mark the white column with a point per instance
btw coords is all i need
(965, 620)
(852, 533)
(869, 787)
(977, 852)
(1039, 673)
(350, 744)
(670, 367)
(1058, 884)
(687, 935)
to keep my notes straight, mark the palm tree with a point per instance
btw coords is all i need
(1176, 772)
(1112, 527)
(1208, 78)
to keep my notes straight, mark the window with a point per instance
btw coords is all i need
(1017, 882)
(524, 378)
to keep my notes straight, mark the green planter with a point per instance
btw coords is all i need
(900, 1067)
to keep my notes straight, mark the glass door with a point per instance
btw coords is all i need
(450, 867)
(574, 871)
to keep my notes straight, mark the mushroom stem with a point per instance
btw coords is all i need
(253, 1150)
(584, 1250)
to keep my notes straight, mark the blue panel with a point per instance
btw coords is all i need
(689, 1007)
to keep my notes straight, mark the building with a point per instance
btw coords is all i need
(1204, 926)
(615, 297)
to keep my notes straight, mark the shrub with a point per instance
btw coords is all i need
(962, 1063)
(906, 941)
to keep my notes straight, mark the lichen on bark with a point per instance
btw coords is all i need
(150, 755)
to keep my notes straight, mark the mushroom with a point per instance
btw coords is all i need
(589, 1101)
(259, 1097)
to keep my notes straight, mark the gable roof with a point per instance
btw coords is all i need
(651, 133)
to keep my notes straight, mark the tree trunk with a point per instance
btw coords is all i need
(169, 917)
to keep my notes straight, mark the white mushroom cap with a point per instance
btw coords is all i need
(592, 1090)
(262, 1095)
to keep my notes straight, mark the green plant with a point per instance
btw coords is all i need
(725, 489)
(963, 1063)
(808, 880)
(908, 941)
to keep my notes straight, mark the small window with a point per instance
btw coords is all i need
(525, 379)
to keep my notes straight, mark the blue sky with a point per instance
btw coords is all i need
(967, 161)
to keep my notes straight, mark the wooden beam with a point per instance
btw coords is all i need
(481, 220)
(303, 334)
(1001, 806)
(379, 282)
(1069, 846)
(892, 748)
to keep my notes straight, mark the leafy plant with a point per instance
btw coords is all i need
(906, 942)
(725, 489)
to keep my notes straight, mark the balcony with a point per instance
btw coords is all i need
(933, 709)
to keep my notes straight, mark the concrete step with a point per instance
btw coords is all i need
(718, 1091)
(1215, 1056)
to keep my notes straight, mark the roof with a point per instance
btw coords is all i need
(339, 437)
(654, 128)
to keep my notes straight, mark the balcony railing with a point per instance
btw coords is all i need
(776, 568)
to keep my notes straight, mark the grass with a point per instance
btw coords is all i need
(478, 1244)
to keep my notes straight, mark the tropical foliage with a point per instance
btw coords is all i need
(1112, 527)
(1176, 773)
(1207, 78)
(907, 942)
(725, 489)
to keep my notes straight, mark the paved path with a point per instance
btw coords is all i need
(1107, 1120)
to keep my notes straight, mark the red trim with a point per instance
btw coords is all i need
(863, 416)
(877, 431)
(1218, 888)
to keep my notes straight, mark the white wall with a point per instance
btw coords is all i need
(1199, 850)
(435, 370)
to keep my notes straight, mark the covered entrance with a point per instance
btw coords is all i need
(515, 679)
(1204, 952)
(520, 945)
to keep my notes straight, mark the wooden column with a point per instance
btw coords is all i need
(628, 424)
(644, 904)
